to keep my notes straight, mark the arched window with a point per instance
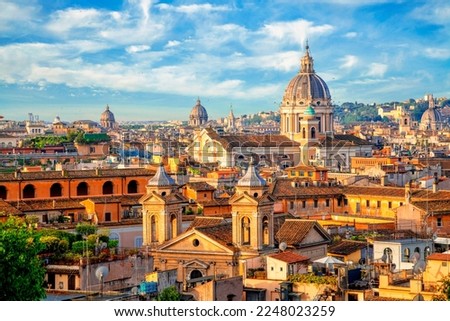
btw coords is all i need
(303, 133)
(154, 229)
(195, 274)
(245, 227)
(29, 191)
(406, 254)
(108, 188)
(132, 187)
(265, 229)
(82, 189)
(56, 190)
(173, 225)
(3, 193)
(313, 132)
(387, 255)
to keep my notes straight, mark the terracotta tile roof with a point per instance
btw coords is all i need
(294, 231)
(205, 221)
(215, 202)
(221, 233)
(48, 204)
(346, 247)
(289, 257)
(439, 257)
(231, 141)
(8, 209)
(200, 186)
(435, 206)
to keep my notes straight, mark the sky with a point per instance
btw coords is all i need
(151, 60)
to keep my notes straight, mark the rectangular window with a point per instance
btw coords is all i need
(439, 222)
(316, 203)
(345, 202)
(327, 203)
(107, 217)
(310, 174)
(291, 205)
(292, 173)
(302, 173)
(92, 149)
(281, 269)
(401, 203)
(390, 204)
(339, 201)
(367, 203)
(378, 204)
(304, 204)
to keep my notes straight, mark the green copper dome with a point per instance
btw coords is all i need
(309, 111)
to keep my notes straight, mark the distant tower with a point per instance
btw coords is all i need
(107, 119)
(404, 122)
(231, 121)
(252, 212)
(199, 115)
(162, 208)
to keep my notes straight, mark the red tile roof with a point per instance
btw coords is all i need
(289, 257)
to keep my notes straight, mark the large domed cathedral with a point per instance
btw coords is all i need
(307, 118)
(199, 115)
(107, 119)
(432, 118)
(306, 90)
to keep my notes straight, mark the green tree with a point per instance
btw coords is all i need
(21, 270)
(169, 294)
(443, 290)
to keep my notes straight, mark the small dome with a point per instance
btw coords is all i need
(251, 178)
(309, 111)
(199, 115)
(107, 115)
(161, 178)
(57, 120)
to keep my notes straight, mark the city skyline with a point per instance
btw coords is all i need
(151, 60)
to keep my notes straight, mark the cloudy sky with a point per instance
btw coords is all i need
(151, 60)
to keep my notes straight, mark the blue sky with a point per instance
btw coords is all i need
(150, 60)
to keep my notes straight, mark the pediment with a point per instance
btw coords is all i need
(193, 242)
(196, 264)
(152, 198)
(243, 199)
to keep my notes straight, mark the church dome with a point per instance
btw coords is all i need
(161, 178)
(251, 178)
(107, 115)
(199, 115)
(431, 115)
(306, 87)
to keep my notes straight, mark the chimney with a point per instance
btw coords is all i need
(97, 171)
(435, 186)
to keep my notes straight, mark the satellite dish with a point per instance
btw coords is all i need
(282, 246)
(101, 273)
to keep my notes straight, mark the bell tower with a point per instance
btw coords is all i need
(252, 212)
(162, 208)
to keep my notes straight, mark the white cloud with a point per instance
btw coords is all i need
(351, 35)
(137, 48)
(172, 44)
(437, 53)
(296, 32)
(193, 8)
(64, 21)
(17, 12)
(348, 62)
(377, 70)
